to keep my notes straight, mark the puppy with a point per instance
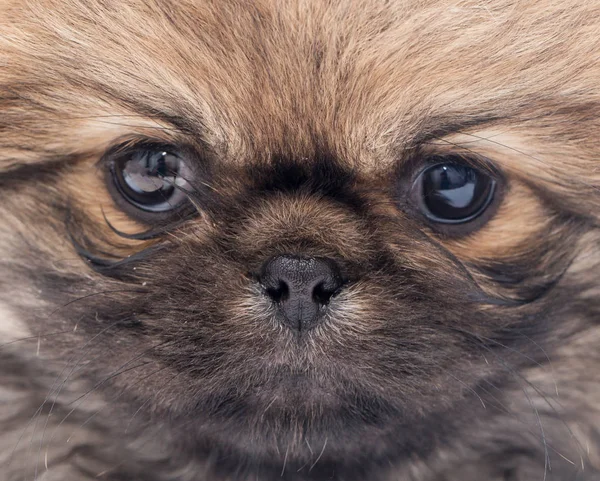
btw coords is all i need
(302, 240)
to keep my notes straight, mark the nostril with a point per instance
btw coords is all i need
(279, 293)
(322, 294)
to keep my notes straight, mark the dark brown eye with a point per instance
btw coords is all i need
(151, 179)
(451, 193)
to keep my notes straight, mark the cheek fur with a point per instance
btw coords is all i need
(12, 327)
(161, 357)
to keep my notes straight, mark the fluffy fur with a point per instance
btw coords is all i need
(158, 358)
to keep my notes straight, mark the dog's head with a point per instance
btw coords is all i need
(275, 226)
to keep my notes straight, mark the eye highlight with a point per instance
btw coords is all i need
(152, 179)
(454, 193)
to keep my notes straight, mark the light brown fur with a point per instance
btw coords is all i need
(372, 82)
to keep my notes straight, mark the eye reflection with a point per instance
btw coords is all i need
(455, 193)
(152, 180)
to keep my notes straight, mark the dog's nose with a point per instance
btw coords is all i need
(301, 287)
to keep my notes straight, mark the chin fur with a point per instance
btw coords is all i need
(138, 346)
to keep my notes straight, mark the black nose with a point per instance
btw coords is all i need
(301, 287)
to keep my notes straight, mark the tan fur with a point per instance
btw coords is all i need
(367, 100)
(374, 83)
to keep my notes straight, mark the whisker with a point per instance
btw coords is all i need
(547, 359)
(470, 389)
(535, 410)
(544, 397)
(319, 456)
(82, 397)
(529, 156)
(511, 349)
(30, 338)
(147, 401)
(39, 410)
(285, 461)
(86, 347)
(89, 419)
(87, 296)
(501, 407)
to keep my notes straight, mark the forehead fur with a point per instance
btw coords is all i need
(364, 78)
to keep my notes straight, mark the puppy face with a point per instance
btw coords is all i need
(278, 230)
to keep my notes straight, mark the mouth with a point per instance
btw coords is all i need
(293, 413)
(316, 399)
(298, 391)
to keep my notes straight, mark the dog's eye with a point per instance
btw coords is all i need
(453, 193)
(152, 179)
